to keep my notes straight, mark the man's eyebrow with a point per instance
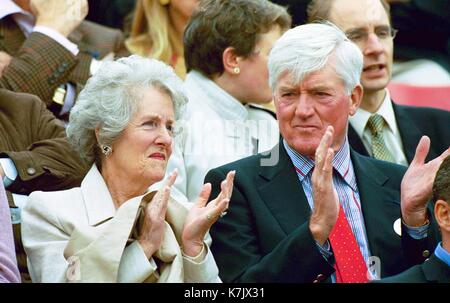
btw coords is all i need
(286, 88)
(355, 30)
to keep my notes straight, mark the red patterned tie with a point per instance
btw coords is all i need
(350, 265)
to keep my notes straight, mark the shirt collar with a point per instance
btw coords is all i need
(9, 7)
(341, 163)
(442, 254)
(222, 102)
(386, 110)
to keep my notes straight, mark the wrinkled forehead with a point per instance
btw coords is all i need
(364, 14)
(324, 77)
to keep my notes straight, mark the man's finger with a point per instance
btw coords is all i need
(445, 154)
(230, 180)
(421, 150)
(324, 144)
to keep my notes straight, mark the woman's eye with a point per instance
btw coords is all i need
(150, 123)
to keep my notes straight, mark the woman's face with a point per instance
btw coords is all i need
(145, 146)
(254, 74)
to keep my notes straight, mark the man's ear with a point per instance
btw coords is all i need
(355, 99)
(231, 61)
(442, 214)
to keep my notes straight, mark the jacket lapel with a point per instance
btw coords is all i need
(97, 199)
(435, 270)
(409, 133)
(356, 142)
(380, 207)
(282, 192)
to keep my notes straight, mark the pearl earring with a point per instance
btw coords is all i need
(236, 70)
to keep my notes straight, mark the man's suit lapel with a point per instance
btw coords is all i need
(436, 270)
(409, 133)
(283, 194)
(11, 36)
(356, 142)
(380, 207)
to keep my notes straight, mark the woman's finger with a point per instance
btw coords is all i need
(204, 195)
(172, 178)
(164, 201)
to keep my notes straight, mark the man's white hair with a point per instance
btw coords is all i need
(308, 48)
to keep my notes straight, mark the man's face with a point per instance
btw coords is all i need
(305, 110)
(367, 24)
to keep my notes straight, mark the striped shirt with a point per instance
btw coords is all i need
(344, 181)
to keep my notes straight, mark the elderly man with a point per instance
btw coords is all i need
(321, 211)
(52, 51)
(34, 156)
(380, 128)
(436, 269)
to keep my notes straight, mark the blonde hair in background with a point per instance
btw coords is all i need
(152, 34)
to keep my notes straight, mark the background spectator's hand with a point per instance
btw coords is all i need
(417, 184)
(63, 16)
(5, 59)
(202, 216)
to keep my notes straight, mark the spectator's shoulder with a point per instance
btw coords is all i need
(261, 111)
(424, 113)
(52, 201)
(12, 102)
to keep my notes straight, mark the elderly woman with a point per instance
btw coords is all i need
(111, 229)
(157, 30)
(226, 44)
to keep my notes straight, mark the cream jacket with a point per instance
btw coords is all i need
(77, 235)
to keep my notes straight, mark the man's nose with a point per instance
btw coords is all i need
(304, 106)
(373, 45)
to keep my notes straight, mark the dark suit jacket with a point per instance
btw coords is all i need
(424, 30)
(433, 270)
(265, 236)
(40, 64)
(414, 122)
(36, 142)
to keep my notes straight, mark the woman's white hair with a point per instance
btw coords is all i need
(111, 97)
(308, 48)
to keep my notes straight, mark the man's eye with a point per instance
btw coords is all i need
(383, 34)
(322, 94)
(288, 94)
(355, 36)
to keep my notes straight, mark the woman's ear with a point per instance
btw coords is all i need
(97, 133)
(231, 61)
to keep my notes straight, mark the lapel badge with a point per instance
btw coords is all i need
(398, 227)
